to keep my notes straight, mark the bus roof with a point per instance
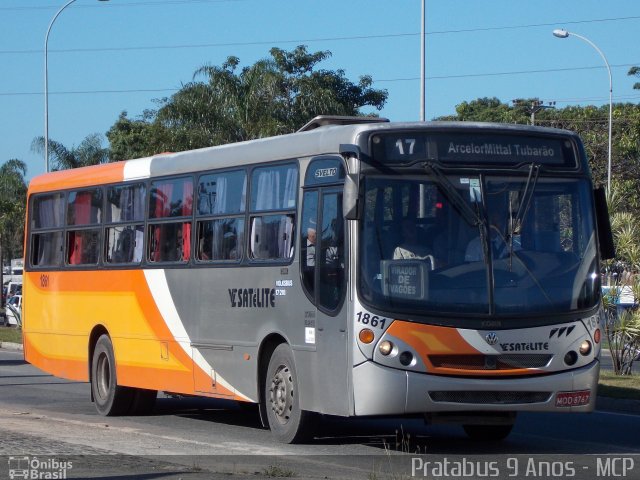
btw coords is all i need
(324, 139)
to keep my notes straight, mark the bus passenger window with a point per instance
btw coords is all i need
(82, 247)
(84, 207)
(46, 249)
(220, 240)
(271, 235)
(169, 242)
(124, 244)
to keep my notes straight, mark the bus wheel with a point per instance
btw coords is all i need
(287, 421)
(488, 433)
(110, 399)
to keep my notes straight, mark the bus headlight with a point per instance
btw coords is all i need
(585, 348)
(385, 347)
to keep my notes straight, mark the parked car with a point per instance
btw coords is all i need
(14, 303)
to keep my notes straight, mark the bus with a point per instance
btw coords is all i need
(357, 267)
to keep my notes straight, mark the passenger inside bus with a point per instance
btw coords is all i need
(498, 241)
(411, 247)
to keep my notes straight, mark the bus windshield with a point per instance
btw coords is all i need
(529, 247)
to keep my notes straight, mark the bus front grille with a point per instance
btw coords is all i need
(491, 362)
(489, 397)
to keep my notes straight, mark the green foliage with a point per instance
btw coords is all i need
(635, 71)
(13, 193)
(226, 103)
(622, 327)
(89, 152)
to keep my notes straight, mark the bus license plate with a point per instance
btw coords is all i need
(573, 399)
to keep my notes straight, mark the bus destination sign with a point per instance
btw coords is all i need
(471, 148)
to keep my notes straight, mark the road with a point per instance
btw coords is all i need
(50, 418)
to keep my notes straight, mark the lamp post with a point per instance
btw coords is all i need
(46, 83)
(564, 34)
(422, 64)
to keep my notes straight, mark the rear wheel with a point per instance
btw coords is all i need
(109, 398)
(488, 433)
(286, 420)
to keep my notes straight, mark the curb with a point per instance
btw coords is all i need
(11, 346)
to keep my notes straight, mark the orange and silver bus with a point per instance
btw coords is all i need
(357, 267)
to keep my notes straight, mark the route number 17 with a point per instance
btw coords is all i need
(406, 146)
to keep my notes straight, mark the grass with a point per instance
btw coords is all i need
(277, 471)
(619, 386)
(10, 334)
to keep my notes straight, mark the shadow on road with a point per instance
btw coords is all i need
(401, 435)
(12, 363)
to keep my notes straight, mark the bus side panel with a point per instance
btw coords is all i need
(228, 315)
(62, 311)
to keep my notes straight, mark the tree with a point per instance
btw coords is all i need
(635, 71)
(622, 326)
(226, 103)
(89, 152)
(13, 193)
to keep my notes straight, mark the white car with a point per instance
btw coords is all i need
(15, 302)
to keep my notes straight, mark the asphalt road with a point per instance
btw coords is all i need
(53, 420)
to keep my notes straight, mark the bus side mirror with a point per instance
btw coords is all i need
(350, 202)
(605, 237)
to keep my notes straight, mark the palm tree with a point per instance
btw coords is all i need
(89, 152)
(13, 193)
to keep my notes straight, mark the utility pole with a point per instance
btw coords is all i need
(533, 107)
(422, 63)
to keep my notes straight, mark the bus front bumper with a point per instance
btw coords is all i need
(380, 390)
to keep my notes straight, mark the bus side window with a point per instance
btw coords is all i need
(271, 235)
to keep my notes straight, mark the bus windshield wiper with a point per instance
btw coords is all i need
(471, 217)
(515, 225)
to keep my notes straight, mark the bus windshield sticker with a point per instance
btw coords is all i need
(474, 190)
(405, 279)
(464, 181)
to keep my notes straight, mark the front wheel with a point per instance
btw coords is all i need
(286, 420)
(109, 398)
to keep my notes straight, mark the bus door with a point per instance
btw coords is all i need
(324, 281)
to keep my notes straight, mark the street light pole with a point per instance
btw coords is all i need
(564, 34)
(46, 83)
(422, 64)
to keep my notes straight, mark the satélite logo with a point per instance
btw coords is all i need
(491, 338)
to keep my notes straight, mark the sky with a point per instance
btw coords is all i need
(121, 55)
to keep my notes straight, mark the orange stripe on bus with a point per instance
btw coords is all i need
(78, 177)
(429, 340)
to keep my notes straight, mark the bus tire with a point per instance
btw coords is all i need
(288, 423)
(110, 398)
(488, 433)
(143, 401)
